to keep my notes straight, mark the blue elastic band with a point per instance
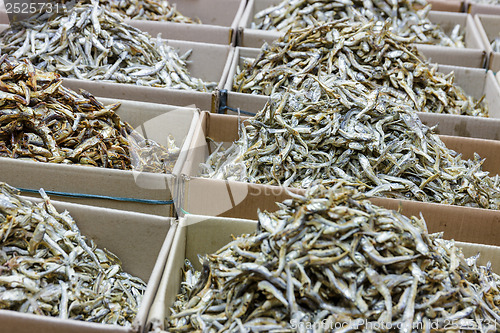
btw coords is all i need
(95, 196)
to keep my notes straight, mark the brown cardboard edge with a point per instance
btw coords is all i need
(476, 8)
(157, 274)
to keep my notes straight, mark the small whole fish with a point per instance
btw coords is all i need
(48, 268)
(41, 120)
(346, 53)
(408, 18)
(90, 42)
(332, 260)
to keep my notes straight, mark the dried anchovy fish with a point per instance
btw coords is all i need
(408, 18)
(344, 51)
(335, 261)
(313, 133)
(157, 10)
(495, 44)
(41, 120)
(49, 268)
(486, 2)
(90, 42)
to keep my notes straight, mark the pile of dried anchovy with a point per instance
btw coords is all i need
(329, 260)
(314, 134)
(486, 2)
(90, 42)
(157, 10)
(49, 268)
(43, 121)
(354, 54)
(408, 18)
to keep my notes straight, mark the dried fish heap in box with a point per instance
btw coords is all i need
(318, 134)
(408, 18)
(495, 44)
(49, 268)
(89, 42)
(160, 10)
(355, 53)
(41, 120)
(486, 2)
(338, 264)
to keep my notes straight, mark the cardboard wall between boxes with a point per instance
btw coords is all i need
(199, 235)
(210, 62)
(475, 81)
(235, 199)
(473, 55)
(151, 237)
(155, 122)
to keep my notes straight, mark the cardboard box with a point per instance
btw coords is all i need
(478, 8)
(489, 28)
(212, 197)
(155, 122)
(475, 81)
(473, 55)
(199, 235)
(115, 230)
(209, 62)
(219, 21)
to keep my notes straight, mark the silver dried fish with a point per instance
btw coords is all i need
(332, 262)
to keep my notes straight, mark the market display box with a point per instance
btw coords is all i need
(474, 8)
(199, 235)
(473, 55)
(142, 243)
(236, 199)
(475, 81)
(219, 20)
(209, 62)
(138, 191)
(489, 29)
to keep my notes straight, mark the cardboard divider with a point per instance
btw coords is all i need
(473, 55)
(219, 21)
(474, 8)
(210, 62)
(199, 235)
(475, 81)
(214, 197)
(111, 229)
(489, 29)
(154, 121)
